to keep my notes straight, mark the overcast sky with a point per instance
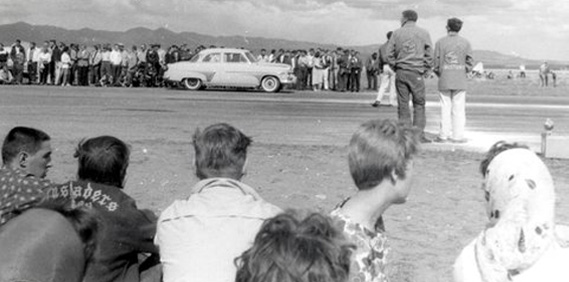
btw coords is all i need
(536, 29)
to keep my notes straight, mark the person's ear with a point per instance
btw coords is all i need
(244, 169)
(393, 176)
(22, 159)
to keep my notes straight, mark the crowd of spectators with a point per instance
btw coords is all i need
(57, 63)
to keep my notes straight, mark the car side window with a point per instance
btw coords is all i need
(235, 58)
(212, 58)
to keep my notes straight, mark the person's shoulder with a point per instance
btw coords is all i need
(465, 268)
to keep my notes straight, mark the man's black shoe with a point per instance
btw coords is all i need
(375, 104)
(425, 140)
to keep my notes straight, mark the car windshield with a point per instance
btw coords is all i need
(251, 58)
(195, 58)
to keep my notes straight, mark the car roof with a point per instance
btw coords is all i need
(223, 50)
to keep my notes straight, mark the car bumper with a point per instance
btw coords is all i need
(288, 79)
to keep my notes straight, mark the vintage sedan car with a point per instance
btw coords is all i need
(225, 67)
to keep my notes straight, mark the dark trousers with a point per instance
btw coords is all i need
(343, 76)
(83, 73)
(354, 80)
(33, 71)
(115, 73)
(308, 79)
(371, 80)
(44, 72)
(410, 85)
(94, 74)
(18, 71)
(301, 78)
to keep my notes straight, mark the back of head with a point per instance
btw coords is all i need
(291, 248)
(22, 139)
(46, 245)
(103, 159)
(410, 15)
(389, 33)
(220, 151)
(378, 148)
(520, 205)
(454, 24)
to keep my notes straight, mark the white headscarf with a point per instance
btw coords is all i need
(521, 207)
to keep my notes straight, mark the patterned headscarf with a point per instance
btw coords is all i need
(521, 208)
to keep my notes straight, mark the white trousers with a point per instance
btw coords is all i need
(387, 80)
(453, 114)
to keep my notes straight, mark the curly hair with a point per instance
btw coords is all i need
(291, 248)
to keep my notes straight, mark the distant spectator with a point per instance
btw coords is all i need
(355, 65)
(387, 77)
(18, 56)
(6, 76)
(522, 71)
(65, 66)
(116, 64)
(83, 66)
(291, 248)
(544, 71)
(263, 57)
(44, 64)
(33, 58)
(372, 71)
(95, 59)
(380, 158)
(200, 237)
(3, 56)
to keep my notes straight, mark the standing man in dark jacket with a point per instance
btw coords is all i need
(410, 54)
(18, 56)
(453, 60)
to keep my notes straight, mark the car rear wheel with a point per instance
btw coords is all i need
(192, 83)
(270, 84)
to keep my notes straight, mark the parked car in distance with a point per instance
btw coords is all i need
(227, 67)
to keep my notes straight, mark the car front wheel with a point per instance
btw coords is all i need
(270, 84)
(192, 83)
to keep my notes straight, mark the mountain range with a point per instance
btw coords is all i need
(136, 36)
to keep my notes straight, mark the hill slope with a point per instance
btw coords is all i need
(136, 36)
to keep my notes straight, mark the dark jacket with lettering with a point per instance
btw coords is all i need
(126, 231)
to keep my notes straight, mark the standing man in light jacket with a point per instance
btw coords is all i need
(453, 60)
(410, 55)
(200, 237)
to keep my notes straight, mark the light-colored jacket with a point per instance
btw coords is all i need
(200, 237)
(453, 60)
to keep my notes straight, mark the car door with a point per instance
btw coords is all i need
(237, 70)
(211, 67)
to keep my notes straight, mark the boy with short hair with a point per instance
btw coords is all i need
(26, 157)
(127, 231)
(381, 164)
(200, 237)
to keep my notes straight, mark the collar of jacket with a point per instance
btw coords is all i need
(409, 24)
(227, 183)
